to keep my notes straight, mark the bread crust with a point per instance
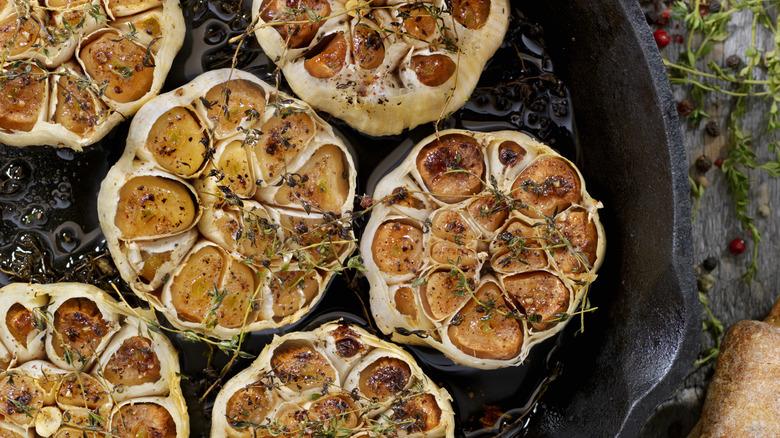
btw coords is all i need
(742, 400)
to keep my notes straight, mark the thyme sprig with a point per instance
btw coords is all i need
(715, 327)
(49, 35)
(489, 307)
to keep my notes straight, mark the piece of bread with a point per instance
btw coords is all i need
(743, 399)
(774, 314)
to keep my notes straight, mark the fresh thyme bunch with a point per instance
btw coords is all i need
(739, 83)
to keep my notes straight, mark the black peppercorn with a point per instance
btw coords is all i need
(685, 107)
(715, 6)
(733, 62)
(712, 128)
(710, 263)
(703, 164)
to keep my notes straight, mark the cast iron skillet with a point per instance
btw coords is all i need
(638, 351)
(636, 347)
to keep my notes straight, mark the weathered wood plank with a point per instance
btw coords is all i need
(716, 224)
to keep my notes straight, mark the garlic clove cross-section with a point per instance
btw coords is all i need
(72, 70)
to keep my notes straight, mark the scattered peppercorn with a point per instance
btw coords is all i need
(705, 282)
(662, 39)
(678, 38)
(663, 18)
(703, 164)
(710, 263)
(712, 128)
(764, 210)
(715, 6)
(718, 162)
(685, 107)
(737, 246)
(733, 62)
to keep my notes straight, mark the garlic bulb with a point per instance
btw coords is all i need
(336, 377)
(480, 245)
(74, 69)
(227, 210)
(104, 367)
(382, 66)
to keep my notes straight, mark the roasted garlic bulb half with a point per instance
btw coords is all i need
(481, 245)
(229, 209)
(83, 364)
(382, 65)
(336, 379)
(71, 70)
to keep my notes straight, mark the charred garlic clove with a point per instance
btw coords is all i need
(227, 211)
(74, 69)
(102, 361)
(20, 397)
(381, 66)
(496, 249)
(334, 378)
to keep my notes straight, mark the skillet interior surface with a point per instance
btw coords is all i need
(633, 357)
(636, 347)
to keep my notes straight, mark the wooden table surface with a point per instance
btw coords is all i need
(716, 225)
